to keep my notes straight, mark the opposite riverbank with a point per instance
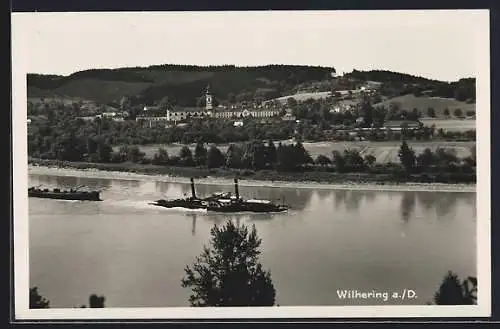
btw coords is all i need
(323, 180)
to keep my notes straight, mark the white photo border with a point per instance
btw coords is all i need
(20, 55)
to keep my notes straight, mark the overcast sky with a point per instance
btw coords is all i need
(434, 44)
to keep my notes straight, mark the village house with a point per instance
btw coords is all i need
(115, 116)
(247, 113)
(342, 107)
(186, 113)
(288, 115)
(152, 116)
(152, 120)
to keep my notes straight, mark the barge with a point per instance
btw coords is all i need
(56, 193)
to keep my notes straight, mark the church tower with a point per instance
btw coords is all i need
(208, 99)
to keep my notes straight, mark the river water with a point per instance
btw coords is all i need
(135, 254)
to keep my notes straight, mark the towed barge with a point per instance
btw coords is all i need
(56, 193)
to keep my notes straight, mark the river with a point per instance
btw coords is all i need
(135, 254)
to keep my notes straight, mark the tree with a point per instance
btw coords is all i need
(91, 145)
(415, 114)
(254, 155)
(473, 154)
(370, 159)
(186, 156)
(445, 157)
(458, 113)
(303, 156)
(233, 156)
(338, 160)
(96, 301)
(37, 300)
(322, 160)
(431, 112)
(160, 157)
(367, 112)
(123, 153)
(406, 156)
(135, 154)
(446, 112)
(228, 272)
(164, 103)
(125, 103)
(426, 133)
(394, 109)
(453, 292)
(215, 158)
(291, 102)
(271, 153)
(104, 151)
(425, 159)
(200, 154)
(353, 159)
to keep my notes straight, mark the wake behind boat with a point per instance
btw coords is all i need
(56, 193)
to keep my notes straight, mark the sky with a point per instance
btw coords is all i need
(435, 44)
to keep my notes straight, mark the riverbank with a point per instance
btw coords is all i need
(322, 180)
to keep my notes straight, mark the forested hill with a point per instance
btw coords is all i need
(182, 84)
(396, 84)
(389, 76)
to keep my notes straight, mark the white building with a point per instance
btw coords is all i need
(153, 116)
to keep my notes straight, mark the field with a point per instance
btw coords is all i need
(383, 151)
(304, 96)
(439, 104)
(451, 125)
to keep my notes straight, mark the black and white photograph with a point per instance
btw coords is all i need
(259, 164)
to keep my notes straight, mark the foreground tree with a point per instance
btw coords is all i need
(37, 300)
(96, 301)
(453, 292)
(228, 273)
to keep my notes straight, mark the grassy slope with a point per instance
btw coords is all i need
(409, 102)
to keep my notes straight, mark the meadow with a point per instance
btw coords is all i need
(422, 103)
(460, 125)
(383, 151)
